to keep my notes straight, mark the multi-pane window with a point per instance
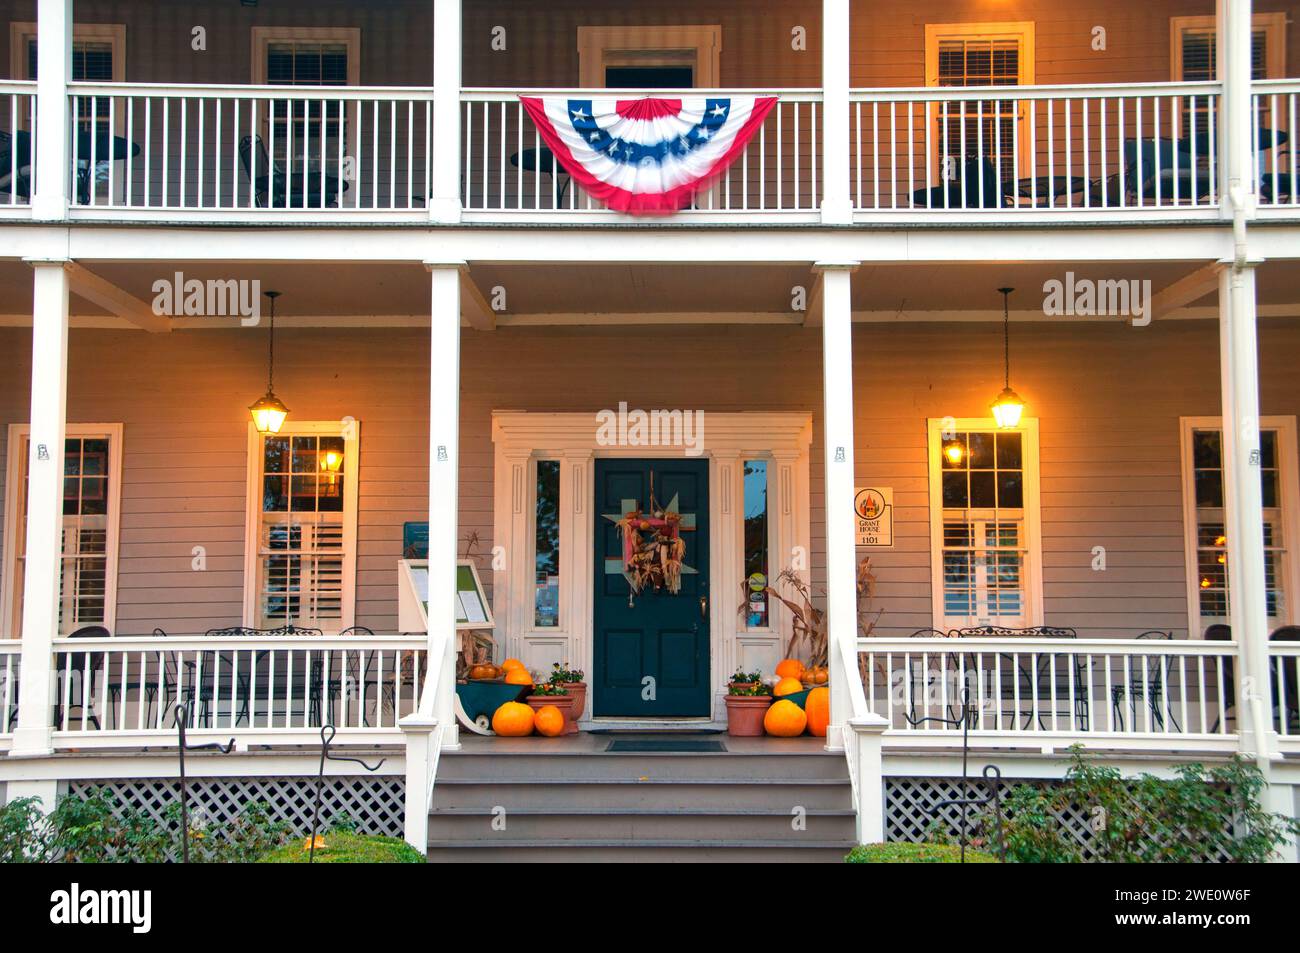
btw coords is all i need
(1196, 61)
(546, 601)
(1211, 535)
(87, 563)
(756, 544)
(984, 527)
(300, 124)
(306, 531)
(92, 62)
(985, 128)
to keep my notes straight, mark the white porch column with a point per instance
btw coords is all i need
(53, 73)
(837, 207)
(837, 440)
(444, 187)
(444, 457)
(44, 506)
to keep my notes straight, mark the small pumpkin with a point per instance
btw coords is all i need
(518, 676)
(821, 675)
(549, 721)
(785, 719)
(480, 672)
(787, 686)
(818, 710)
(513, 720)
(510, 664)
(789, 668)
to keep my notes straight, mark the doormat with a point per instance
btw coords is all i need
(685, 745)
(657, 732)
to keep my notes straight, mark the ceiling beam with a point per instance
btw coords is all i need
(812, 316)
(104, 294)
(1189, 288)
(474, 307)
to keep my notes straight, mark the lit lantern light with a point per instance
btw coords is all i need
(330, 461)
(954, 452)
(269, 411)
(1008, 407)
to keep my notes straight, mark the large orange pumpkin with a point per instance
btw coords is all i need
(787, 686)
(789, 668)
(511, 664)
(518, 676)
(513, 720)
(549, 721)
(818, 710)
(785, 719)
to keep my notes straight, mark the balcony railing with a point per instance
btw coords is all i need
(1036, 693)
(253, 150)
(1276, 148)
(508, 172)
(281, 689)
(1022, 150)
(17, 143)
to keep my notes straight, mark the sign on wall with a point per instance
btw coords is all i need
(873, 510)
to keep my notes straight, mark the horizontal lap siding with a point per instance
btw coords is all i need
(1108, 398)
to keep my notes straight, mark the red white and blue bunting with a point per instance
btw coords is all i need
(647, 156)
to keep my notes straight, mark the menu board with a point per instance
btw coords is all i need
(473, 611)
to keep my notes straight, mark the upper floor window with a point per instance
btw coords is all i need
(307, 56)
(92, 471)
(986, 553)
(649, 57)
(1208, 538)
(98, 56)
(1193, 47)
(300, 565)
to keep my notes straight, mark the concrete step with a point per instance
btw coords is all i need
(484, 766)
(637, 852)
(613, 825)
(581, 794)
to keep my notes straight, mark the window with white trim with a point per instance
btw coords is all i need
(92, 474)
(986, 554)
(307, 56)
(1208, 537)
(757, 535)
(1194, 56)
(301, 566)
(546, 549)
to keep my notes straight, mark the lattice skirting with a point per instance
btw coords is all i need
(911, 807)
(375, 805)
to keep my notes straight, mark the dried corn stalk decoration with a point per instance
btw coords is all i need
(653, 548)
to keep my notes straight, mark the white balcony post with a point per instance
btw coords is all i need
(868, 763)
(444, 455)
(44, 506)
(1237, 179)
(420, 755)
(837, 208)
(444, 191)
(53, 128)
(837, 440)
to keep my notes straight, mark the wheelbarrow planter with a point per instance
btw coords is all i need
(476, 702)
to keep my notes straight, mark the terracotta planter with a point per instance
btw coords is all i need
(563, 702)
(578, 692)
(745, 714)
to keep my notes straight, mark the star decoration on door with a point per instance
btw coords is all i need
(653, 548)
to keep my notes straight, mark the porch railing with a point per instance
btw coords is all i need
(17, 143)
(1038, 693)
(1285, 677)
(507, 169)
(263, 150)
(111, 691)
(1276, 148)
(1034, 149)
(10, 668)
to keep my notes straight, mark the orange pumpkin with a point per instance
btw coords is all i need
(513, 720)
(479, 672)
(787, 686)
(518, 676)
(510, 664)
(818, 710)
(820, 675)
(785, 719)
(549, 721)
(789, 668)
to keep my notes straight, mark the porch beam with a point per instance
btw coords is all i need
(102, 292)
(476, 311)
(444, 456)
(837, 445)
(51, 194)
(1189, 288)
(444, 191)
(41, 576)
(837, 207)
(812, 317)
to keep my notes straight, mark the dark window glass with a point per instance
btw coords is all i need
(547, 600)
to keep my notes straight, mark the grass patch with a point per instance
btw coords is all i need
(915, 854)
(343, 847)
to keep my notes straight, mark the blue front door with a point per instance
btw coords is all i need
(651, 648)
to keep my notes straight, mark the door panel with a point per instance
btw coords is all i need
(658, 636)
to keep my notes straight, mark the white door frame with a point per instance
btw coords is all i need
(520, 438)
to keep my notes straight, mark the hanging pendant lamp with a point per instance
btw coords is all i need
(1008, 406)
(269, 411)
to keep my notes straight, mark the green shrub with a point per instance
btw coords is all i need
(915, 854)
(345, 847)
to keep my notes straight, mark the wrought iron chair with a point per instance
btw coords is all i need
(1036, 677)
(16, 170)
(275, 187)
(1149, 686)
(1286, 690)
(168, 681)
(1219, 632)
(86, 665)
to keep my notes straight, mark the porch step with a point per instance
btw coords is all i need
(575, 801)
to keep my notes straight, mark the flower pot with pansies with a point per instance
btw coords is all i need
(748, 699)
(571, 679)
